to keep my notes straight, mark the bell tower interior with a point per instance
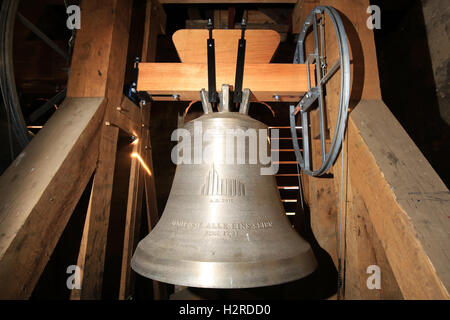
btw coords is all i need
(94, 205)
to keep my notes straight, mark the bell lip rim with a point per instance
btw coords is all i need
(312, 267)
(192, 285)
(212, 286)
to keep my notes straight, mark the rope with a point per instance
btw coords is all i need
(341, 205)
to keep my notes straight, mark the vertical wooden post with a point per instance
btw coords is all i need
(132, 223)
(363, 249)
(91, 257)
(111, 19)
(323, 208)
(155, 16)
(142, 178)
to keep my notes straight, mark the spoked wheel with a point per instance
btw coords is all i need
(314, 99)
(19, 121)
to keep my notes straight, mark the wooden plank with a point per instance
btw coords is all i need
(75, 294)
(159, 15)
(155, 17)
(151, 200)
(301, 10)
(92, 258)
(150, 36)
(141, 174)
(191, 45)
(288, 81)
(89, 73)
(363, 57)
(159, 288)
(407, 202)
(132, 223)
(126, 116)
(93, 246)
(40, 189)
(148, 55)
(322, 204)
(362, 249)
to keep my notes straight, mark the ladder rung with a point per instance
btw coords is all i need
(284, 162)
(284, 127)
(287, 175)
(285, 138)
(284, 150)
(288, 187)
(288, 200)
(290, 213)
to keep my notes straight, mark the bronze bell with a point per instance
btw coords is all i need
(224, 225)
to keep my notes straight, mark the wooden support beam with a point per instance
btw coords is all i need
(155, 18)
(108, 81)
(126, 116)
(149, 54)
(288, 81)
(159, 16)
(159, 288)
(141, 175)
(104, 23)
(150, 189)
(92, 257)
(132, 223)
(40, 189)
(301, 10)
(322, 205)
(150, 35)
(362, 249)
(407, 202)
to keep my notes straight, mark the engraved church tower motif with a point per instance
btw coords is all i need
(216, 185)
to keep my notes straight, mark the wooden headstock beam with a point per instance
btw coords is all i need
(267, 81)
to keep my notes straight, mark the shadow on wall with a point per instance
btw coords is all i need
(408, 85)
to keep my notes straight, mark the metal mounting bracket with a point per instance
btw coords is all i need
(309, 98)
(138, 97)
(237, 96)
(212, 92)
